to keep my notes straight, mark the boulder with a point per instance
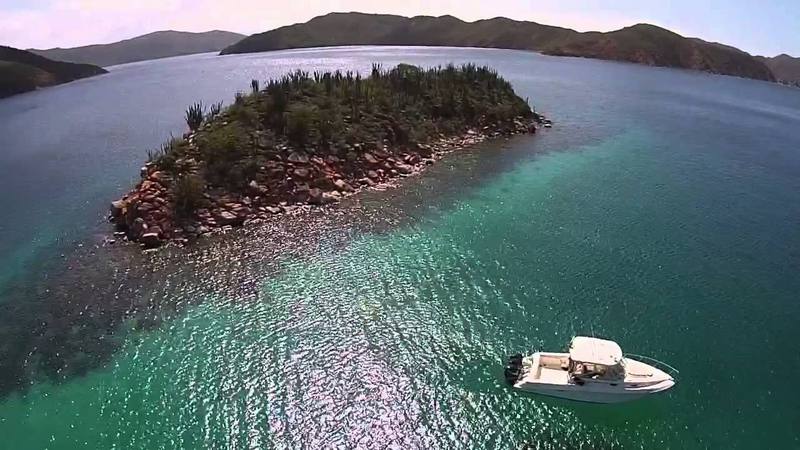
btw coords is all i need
(118, 208)
(298, 158)
(330, 197)
(224, 218)
(404, 169)
(315, 196)
(372, 174)
(150, 240)
(324, 183)
(262, 142)
(369, 158)
(148, 185)
(243, 212)
(411, 159)
(301, 173)
(158, 176)
(273, 209)
(138, 227)
(343, 186)
(256, 189)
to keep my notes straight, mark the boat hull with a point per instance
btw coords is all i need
(585, 396)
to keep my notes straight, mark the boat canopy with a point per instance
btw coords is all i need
(595, 351)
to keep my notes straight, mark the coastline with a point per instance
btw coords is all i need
(142, 215)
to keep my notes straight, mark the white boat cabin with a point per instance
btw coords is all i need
(595, 359)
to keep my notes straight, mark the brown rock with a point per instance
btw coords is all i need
(372, 174)
(158, 176)
(145, 207)
(148, 185)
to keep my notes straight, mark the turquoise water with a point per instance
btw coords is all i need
(660, 211)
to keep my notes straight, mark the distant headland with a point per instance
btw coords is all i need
(160, 44)
(312, 139)
(22, 71)
(642, 43)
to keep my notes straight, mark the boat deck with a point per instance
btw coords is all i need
(549, 368)
(549, 376)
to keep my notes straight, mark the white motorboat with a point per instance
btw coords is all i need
(594, 370)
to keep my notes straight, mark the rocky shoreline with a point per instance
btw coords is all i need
(292, 181)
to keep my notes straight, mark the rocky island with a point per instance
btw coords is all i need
(312, 139)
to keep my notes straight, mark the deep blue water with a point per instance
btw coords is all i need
(661, 210)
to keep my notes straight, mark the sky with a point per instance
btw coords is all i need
(767, 27)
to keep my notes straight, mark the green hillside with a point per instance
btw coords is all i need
(22, 71)
(643, 44)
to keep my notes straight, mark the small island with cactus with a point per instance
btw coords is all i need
(312, 139)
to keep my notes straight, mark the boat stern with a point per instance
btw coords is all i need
(514, 369)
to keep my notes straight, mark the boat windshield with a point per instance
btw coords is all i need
(597, 371)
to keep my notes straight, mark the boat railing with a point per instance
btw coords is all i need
(673, 372)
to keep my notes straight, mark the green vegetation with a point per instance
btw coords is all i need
(195, 116)
(336, 113)
(188, 193)
(214, 110)
(644, 44)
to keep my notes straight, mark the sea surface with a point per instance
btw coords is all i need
(662, 210)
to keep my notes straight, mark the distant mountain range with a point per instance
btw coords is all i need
(161, 44)
(22, 71)
(785, 68)
(643, 44)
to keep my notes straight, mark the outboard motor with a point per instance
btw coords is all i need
(513, 368)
